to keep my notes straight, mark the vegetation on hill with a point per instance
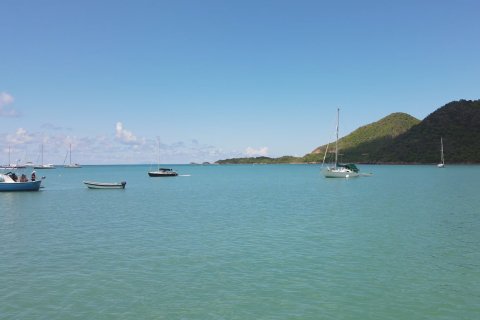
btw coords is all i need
(400, 138)
(458, 123)
(370, 137)
(261, 160)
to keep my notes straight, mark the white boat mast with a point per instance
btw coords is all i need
(336, 142)
(441, 150)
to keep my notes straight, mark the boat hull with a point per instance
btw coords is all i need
(20, 186)
(333, 173)
(162, 174)
(104, 185)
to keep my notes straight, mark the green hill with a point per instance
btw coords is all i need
(360, 143)
(400, 138)
(457, 122)
(261, 160)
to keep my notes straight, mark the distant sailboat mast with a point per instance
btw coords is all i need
(44, 166)
(442, 159)
(70, 165)
(336, 141)
(441, 142)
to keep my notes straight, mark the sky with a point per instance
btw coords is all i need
(215, 79)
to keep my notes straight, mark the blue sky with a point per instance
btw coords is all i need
(219, 79)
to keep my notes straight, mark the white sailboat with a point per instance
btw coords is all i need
(339, 170)
(11, 165)
(44, 166)
(71, 165)
(442, 159)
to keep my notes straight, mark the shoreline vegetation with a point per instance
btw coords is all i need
(227, 162)
(402, 139)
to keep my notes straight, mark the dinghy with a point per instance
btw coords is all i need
(105, 185)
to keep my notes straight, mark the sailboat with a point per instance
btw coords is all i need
(44, 166)
(11, 165)
(71, 165)
(339, 170)
(162, 172)
(442, 160)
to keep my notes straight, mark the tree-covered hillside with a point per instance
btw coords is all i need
(360, 143)
(458, 123)
(261, 160)
(400, 138)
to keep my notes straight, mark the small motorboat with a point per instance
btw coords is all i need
(163, 172)
(105, 185)
(10, 182)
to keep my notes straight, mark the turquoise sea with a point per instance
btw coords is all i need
(244, 242)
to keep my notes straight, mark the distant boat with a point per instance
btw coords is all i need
(13, 166)
(44, 166)
(29, 164)
(442, 159)
(71, 165)
(345, 170)
(9, 182)
(162, 172)
(105, 185)
(10, 165)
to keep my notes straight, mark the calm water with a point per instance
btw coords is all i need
(244, 242)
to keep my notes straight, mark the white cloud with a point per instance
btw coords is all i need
(125, 136)
(5, 110)
(5, 98)
(123, 147)
(21, 136)
(251, 152)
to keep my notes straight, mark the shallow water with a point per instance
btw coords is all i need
(244, 242)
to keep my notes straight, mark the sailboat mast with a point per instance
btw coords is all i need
(336, 141)
(158, 152)
(70, 153)
(441, 150)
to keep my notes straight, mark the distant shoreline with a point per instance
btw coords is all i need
(360, 163)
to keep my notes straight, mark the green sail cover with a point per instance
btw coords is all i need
(350, 166)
